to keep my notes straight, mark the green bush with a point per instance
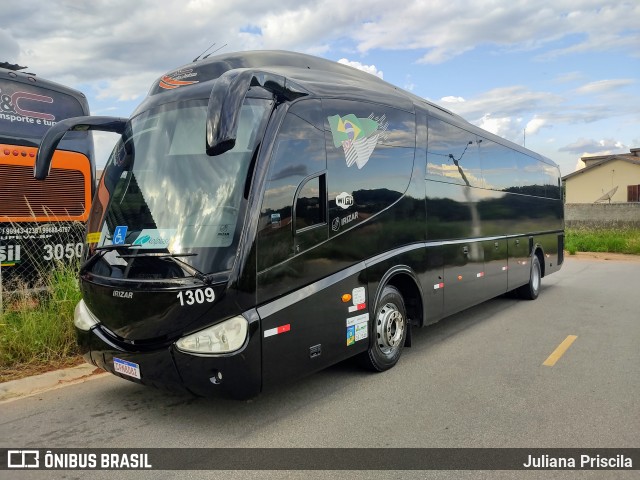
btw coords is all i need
(609, 240)
(36, 326)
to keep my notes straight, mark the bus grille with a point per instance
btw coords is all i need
(61, 196)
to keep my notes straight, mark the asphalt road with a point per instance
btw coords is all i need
(476, 379)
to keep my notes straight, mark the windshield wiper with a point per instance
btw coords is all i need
(100, 252)
(194, 272)
(108, 248)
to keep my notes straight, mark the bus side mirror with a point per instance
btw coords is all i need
(226, 99)
(52, 138)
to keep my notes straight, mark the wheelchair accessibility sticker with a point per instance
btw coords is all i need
(119, 235)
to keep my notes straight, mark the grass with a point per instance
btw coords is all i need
(36, 328)
(609, 240)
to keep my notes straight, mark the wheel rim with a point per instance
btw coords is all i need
(390, 329)
(535, 277)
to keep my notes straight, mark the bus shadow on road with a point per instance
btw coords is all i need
(229, 415)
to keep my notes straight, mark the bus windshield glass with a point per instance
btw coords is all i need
(161, 193)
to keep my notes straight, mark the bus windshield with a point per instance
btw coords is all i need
(161, 193)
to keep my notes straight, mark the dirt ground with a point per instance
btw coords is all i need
(617, 257)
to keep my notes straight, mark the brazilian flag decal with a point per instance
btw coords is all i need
(351, 128)
(357, 136)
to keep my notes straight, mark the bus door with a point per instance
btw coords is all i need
(302, 313)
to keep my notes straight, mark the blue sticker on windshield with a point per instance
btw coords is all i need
(119, 235)
(158, 238)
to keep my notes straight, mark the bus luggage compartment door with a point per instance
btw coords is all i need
(519, 261)
(463, 282)
(313, 327)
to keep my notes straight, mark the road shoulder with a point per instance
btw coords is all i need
(36, 384)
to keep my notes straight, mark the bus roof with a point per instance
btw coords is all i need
(13, 75)
(319, 77)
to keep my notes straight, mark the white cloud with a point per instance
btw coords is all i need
(129, 86)
(360, 66)
(503, 102)
(9, 48)
(453, 28)
(604, 86)
(408, 84)
(94, 39)
(589, 146)
(534, 125)
(452, 99)
(506, 127)
(569, 77)
(507, 111)
(115, 49)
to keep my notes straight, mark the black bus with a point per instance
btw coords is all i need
(267, 214)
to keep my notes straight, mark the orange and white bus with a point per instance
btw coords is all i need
(40, 223)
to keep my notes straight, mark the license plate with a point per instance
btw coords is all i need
(126, 368)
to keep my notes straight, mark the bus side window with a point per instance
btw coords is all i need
(453, 155)
(310, 216)
(531, 175)
(299, 154)
(498, 166)
(311, 204)
(370, 155)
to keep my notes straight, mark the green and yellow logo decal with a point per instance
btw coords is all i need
(357, 136)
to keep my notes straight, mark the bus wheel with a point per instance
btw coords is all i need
(531, 290)
(389, 331)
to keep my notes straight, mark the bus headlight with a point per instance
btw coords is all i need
(224, 337)
(83, 319)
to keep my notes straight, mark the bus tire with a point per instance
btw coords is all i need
(531, 290)
(389, 331)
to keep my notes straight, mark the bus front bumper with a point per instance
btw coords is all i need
(236, 374)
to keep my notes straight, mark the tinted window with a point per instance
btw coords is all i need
(552, 181)
(498, 165)
(370, 151)
(298, 154)
(27, 112)
(161, 191)
(310, 205)
(530, 175)
(452, 155)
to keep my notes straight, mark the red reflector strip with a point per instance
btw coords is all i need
(438, 285)
(355, 308)
(284, 328)
(278, 330)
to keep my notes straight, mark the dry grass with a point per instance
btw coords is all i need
(36, 327)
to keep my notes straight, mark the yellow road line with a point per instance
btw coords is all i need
(558, 352)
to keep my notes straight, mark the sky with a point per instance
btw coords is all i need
(561, 77)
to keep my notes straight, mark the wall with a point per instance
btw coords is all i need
(587, 187)
(614, 215)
